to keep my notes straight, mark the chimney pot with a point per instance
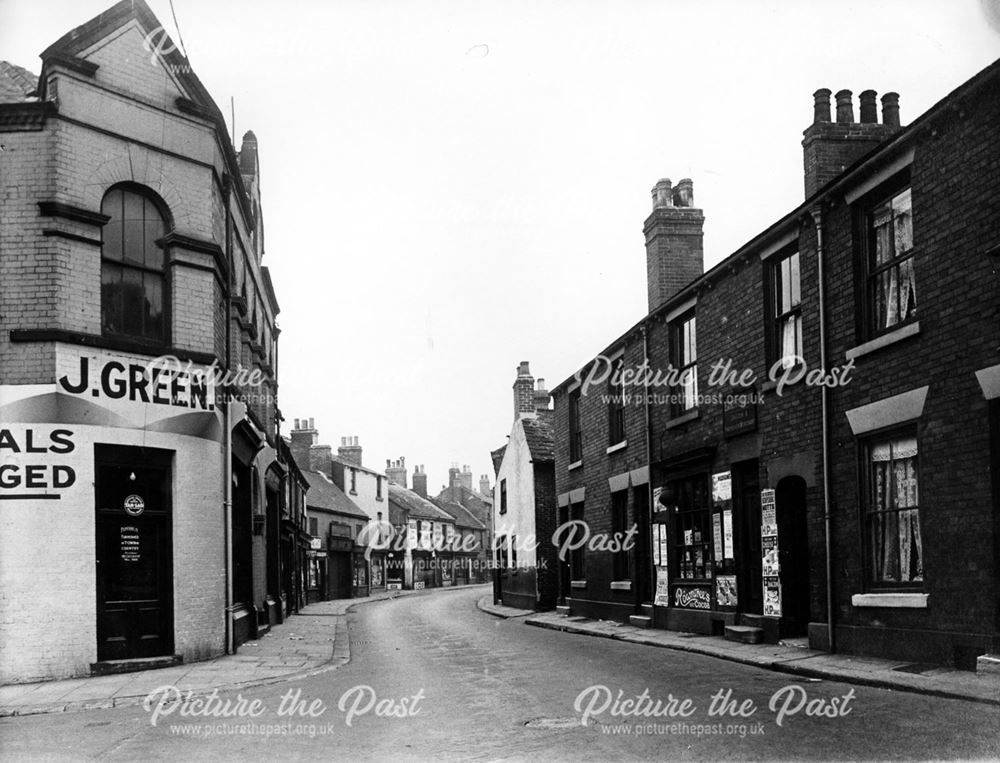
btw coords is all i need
(869, 112)
(684, 193)
(845, 107)
(821, 105)
(311, 424)
(297, 424)
(890, 109)
(662, 195)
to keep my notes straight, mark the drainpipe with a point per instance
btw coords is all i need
(227, 470)
(817, 215)
(650, 567)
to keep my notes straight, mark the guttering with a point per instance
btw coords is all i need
(817, 215)
(227, 470)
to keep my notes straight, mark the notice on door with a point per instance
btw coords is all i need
(130, 543)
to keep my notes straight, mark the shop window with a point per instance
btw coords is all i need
(688, 502)
(889, 278)
(785, 314)
(133, 280)
(616, 404)
(892, 511)
(621, 560)
(684, 358)
(575, 431)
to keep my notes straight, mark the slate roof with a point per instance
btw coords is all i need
(541, 440)
(415, 506)
(463, 517)
(497, 456)
(324, 495)
(17, 84)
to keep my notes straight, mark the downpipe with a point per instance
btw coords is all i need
(817, 215)
(227, 470)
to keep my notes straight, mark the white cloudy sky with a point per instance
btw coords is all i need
(453, 187)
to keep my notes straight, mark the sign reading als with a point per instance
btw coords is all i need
(27, 468)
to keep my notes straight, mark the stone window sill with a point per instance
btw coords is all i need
(616, 447)
(578, 584)
(574, 465)
(621, 585)
(684, 419)
(904, 332)
(890, 600)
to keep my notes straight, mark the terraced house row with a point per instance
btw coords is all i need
(813, 444)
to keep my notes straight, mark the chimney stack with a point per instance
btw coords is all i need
(541, 398)
(395, 471)
(524, 386)
(484, 486)
(465, 477)
(303, 438)
(420, 481)
(349, 450)
(828, 148)
(674, 247)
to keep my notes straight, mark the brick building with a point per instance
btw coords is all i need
(336, 525)
(812, 453)
(131, 231)
(524, 505)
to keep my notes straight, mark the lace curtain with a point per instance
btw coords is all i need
(896, 288)
(895, 519)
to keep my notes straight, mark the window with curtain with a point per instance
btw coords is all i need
(133, 281)
(684, 358)
(786, 311)
(892, 288)
(892, 513)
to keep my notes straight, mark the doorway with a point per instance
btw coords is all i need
(793, 554)
(746, 511)
(133, 552)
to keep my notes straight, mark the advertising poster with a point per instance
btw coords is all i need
(725, 590)
(660, 545)
(693, 598)
(722, 487)
(769, 551)
(772, 597)
(717, 531)
(768, 519)
(727, 533)
(662, 598)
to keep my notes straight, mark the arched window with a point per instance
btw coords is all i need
(133, 282)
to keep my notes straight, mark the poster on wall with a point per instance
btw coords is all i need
(727, 533)
(772, 597)
(660, 545)
(769, 552)
(717, 533)
(657, 492)
(662, 598)
(768, 518)
(722, 487)
(725, 590)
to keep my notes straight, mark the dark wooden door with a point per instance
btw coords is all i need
(793, 553)
(746, 508)
(133, 554)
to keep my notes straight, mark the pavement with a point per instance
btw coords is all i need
(788, 657)
(312, 641)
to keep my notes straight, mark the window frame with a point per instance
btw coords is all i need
(682, 518)
(866, 444)
(621, 560)
(124, 265)
(575, 402)
(503, 496)
(867, 272)
(682, 364)
(776, 316)
(616, 408)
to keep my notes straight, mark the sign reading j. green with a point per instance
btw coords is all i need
(154, 383)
